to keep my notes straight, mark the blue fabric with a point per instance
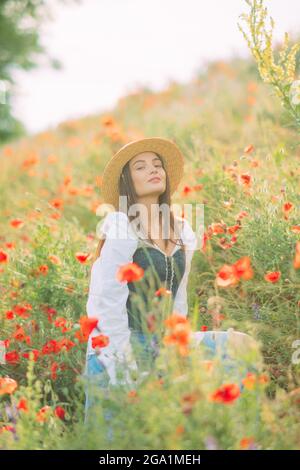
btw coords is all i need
(237, 368)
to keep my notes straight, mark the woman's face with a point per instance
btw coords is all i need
(144, 167)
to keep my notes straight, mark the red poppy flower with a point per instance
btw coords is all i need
(101, 341)
(57, 203)
(9, 314)
(16, 223)
(43, 414)
(35, 352)
(82, 257)
(59, 412)
(273, 276)
(243, 268)
(226, 394)
(230, 275)
(53, 368)
(43, 269)
(12, 357)
(245, 179)
(50, 347)
(23, 405)
(186, 190)
(130, 272)
(87, 324)
(21, 310)
(3, 257)
(67, 344)
(226, 276)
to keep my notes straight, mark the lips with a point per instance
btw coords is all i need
(154, 179)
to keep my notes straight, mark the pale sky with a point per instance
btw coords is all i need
(110, 47)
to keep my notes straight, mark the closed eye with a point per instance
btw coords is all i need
(142, 167)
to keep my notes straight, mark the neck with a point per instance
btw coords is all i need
(149, 216)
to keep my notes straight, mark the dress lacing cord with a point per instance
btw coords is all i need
(167, 271)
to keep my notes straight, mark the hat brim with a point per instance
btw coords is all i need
(167, 149)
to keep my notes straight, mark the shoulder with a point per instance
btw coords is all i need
(188, 235)
(116, 225)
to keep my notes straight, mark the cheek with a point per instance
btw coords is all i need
(139, 179)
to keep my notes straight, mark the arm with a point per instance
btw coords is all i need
(107, 296)
(190, 240)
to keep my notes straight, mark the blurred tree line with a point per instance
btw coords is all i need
(20, 48)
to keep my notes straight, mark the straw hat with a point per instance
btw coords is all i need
(167, 149)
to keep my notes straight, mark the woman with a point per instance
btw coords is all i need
(145, 173)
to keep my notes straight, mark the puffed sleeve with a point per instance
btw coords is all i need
(107, 295)
(180, 304)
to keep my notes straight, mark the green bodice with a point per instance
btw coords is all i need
(160, 270)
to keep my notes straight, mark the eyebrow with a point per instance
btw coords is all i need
(143, 161)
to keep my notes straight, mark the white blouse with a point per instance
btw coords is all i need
(107, 296)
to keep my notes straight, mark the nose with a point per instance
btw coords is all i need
(154, 169)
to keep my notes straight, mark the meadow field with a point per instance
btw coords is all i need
(242, 163)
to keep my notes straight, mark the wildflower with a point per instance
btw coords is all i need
(57, 203)
(20, 335)
(16, 223)
(130, 272)
(249, 381)
(180, 333)
(53, 368)
(230, 275)
(87, 324)
(226, 394)
(287, 207)
(295, 228)
(162, 291)
(34, 352)
(50, 347)
(21, 310)
(245, 179)
(249, 149)
(101, 341)
(9, 315)
(3, 257)
(61, 322)
(216, 228)
(23, 404)
(59, 412)
(272, 276)
(43, 414)
(55, 259)
(246, 443)
(82, 257)
(186, 190)
(12, 357)
(66, 344)
(296, 262)
(7, 385)
(43, 269)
